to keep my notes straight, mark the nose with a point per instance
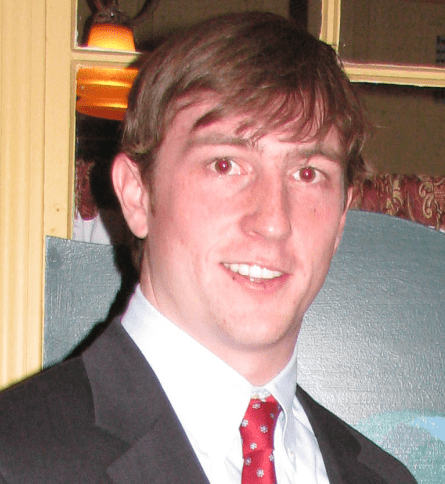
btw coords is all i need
(268, 210)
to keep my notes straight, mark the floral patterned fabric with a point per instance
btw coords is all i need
(85, 203)
(417, 198)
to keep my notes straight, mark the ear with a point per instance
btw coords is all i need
(348, 201)
(132, 193)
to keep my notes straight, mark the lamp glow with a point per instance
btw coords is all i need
(103, 92)
(111, 36)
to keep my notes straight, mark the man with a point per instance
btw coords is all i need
(241, 143)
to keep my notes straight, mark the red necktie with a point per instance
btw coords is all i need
(257, 430)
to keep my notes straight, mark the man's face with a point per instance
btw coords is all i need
(241, 233)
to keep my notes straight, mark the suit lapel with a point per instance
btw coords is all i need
(130, 404)
(341, 451)
(157, 458)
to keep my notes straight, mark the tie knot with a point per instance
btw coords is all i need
(258, 425)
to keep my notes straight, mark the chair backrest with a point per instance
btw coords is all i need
(372, 347)
(85, 285)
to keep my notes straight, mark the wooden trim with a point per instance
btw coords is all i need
(118, 59)
(59, 121)
(396, 74)
(330, 22)
(21, 177)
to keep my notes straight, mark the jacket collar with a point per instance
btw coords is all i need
(342, 452)
(130, 404)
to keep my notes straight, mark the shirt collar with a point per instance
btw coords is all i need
(201, 387)
(283, 388)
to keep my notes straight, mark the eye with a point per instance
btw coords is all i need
(225, 166)
(307, 174)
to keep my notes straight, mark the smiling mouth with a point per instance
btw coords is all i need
(253, 272)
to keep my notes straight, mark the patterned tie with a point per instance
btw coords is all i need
(257, 430)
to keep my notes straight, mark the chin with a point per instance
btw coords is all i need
(259, 337)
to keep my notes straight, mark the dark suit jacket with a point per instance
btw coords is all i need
(102, 417)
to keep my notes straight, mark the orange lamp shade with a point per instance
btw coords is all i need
(110, 36)
(103, 92)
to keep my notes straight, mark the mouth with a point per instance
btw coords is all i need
(254, 272)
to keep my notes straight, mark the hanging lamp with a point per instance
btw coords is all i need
(103, 92)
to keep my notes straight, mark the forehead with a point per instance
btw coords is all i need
(208, 123)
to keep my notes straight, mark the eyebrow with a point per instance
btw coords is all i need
(319, 150)
(219, 139)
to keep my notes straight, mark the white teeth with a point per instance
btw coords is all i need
(253, 272)
(256, 272)
(243, 269)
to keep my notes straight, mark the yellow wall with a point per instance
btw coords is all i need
(21, 177)
(34, 168)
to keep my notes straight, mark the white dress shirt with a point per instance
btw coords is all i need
(210, 399)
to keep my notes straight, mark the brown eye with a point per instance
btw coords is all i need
(307, 174)
(223, 166)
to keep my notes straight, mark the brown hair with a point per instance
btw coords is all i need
(257, 64)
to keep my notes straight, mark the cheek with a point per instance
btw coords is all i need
(317, 209)
(317, 221)
(180, 226)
